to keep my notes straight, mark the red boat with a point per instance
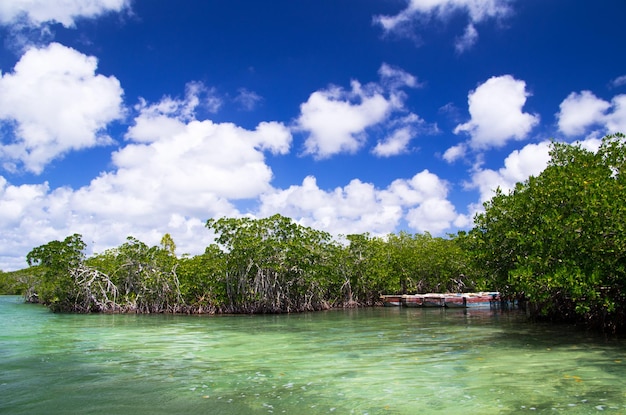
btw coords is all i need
(433, 300)
(472, 300)
(452, 300)
(391, 300)
(412, 301)
(455, 300)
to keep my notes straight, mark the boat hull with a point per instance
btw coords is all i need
(413, 301)
(433, 300)
(391, 300)
(483, 300)
(455, 301)
(490, 299)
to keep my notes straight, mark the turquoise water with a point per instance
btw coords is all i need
(369, 361)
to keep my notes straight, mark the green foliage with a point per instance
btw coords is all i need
(560, 238)
(263, 265)
(57, 289)
(273, 264)
(365, 270)
(203, 281)
(144, 276)
(14, 282)
(428, 264)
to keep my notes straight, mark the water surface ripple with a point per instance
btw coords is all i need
(368, 361)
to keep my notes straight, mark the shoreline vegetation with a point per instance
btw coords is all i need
(556, 243)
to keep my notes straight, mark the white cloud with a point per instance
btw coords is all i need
(531, 160)
(579, 112)
(393, 77)
(54, 102)
(169, 116)
(15, 199)
(424, 10)
(355, 208)
(337, 120)
(394, 144)
(496, 113)
(183, 156)
(401, 131)
(361, 207)
(619, 81)
(65, 12)
(248, 100)
(174, 173)
(616, 120)
(434, 216)
(455, 152)
(469, 39)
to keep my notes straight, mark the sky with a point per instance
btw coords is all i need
(144, 117)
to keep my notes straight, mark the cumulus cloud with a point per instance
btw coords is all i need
(531, 160)
(188, 157)
(173, 173)
(65, 12)
(400, 132)
(169, 116)
(433, 216)
(394, 144)
(336, 120)
(361, 207)
(496, 110)
(455, 152)
(616, 120)
(420, 11)
(581, 111)
(54, 102)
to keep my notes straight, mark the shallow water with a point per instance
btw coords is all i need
(369, 361)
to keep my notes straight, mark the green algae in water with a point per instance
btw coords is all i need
(370, 361)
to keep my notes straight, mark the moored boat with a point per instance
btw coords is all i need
(414, 300)
(433, 300)
(472, 300)
(391, 300)
(455, 300)
(451, 300)
(483, 299)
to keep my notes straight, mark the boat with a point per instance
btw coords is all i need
(393, 300)
(489, 299)
(412, 300)
(472, 300)
(433, 300)
(455, 300)
(483, 299)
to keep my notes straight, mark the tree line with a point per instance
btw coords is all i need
(268, 265)
(557, 242)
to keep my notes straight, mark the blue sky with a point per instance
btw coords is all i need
(146, 117)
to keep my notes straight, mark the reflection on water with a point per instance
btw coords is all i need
(369, 361)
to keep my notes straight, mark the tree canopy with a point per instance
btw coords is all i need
(266, 265)
(559, 239)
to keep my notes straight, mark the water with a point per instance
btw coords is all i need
(369, 361)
